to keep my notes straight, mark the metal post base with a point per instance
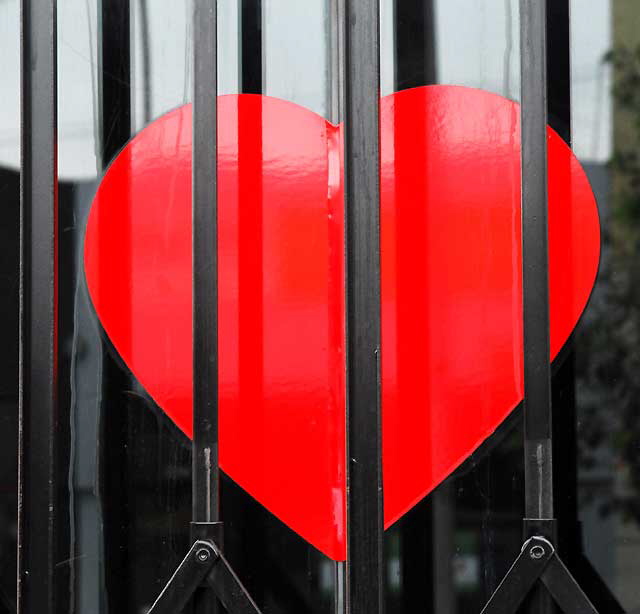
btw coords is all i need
(204, 565)
(538, 562)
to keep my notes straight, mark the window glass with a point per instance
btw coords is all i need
(604, 106)
(451, 549)
(9, 291)
(125, 463)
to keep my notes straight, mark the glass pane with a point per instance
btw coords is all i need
(125, 82)
(128, 504)
(604, 103)
(448, 548)
(9, 291)
(452, 414)
(284, 51)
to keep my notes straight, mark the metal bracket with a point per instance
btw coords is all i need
(538, 561)
(204, 565)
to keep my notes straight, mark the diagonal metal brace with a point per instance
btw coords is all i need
(204, 565)
(538, 561)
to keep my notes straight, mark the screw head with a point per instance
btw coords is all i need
(536, 552)
(203, 555)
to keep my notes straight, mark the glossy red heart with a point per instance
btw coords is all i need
(451, 287)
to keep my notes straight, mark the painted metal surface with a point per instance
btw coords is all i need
(205, 467)
(41, 416)
(205, 477)
(535, 259)
(360, 79)
(451, 287)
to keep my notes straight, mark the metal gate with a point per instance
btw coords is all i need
(205, 573)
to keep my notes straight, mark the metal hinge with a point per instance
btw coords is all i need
(205, 566)
(538, 561)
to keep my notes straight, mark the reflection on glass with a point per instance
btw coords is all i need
(460, 42)
(450, 551)
(9, 287)
(606, 133)
(127, 467)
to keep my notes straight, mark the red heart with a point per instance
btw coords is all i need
(451, 287)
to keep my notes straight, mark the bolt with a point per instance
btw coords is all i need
(203, 555)
(536, 552)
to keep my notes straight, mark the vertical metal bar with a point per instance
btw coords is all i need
(145, 50)
(335, 51)
(362, 204)
(38, 309)
(205, 469)
(535, 281)
(206, 478)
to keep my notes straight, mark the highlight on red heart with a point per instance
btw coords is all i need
(451, 287)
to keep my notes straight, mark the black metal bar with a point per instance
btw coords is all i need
(229, 589)
(145, 49)
(539, 601)
(38, 310)
(205, 469)
(362, 206)
(538, 564)
(335, 51)
(185, 580)
(251, 47)
(565, 590)
(206, 478)
(521, 577)
(204, 563)
(535, 281)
